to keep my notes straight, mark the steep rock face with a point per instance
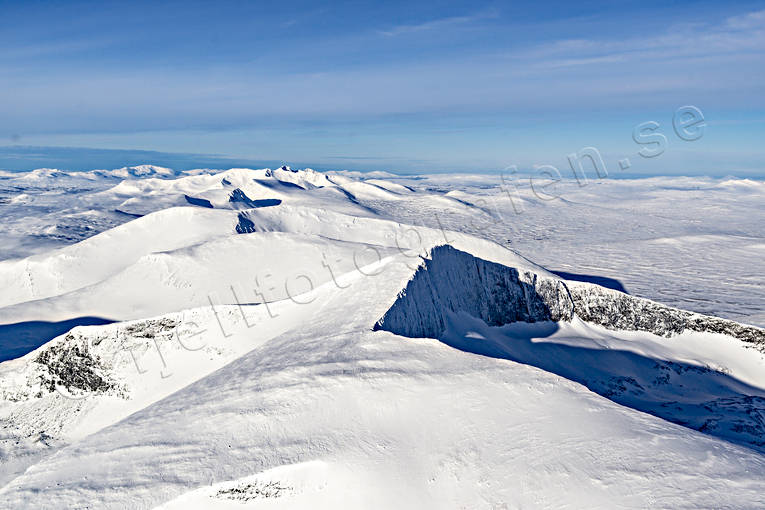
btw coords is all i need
(244, 224)
(450, 281)
(615, 310)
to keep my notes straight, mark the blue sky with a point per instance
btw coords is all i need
(399, 86)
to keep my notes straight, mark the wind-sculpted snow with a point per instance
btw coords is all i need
(250, 376)
(450, 281)
(632, 370)
(454, 296)
(390, 417)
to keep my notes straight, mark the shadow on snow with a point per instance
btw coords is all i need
(20, 338)
(698, 397)
(603, 281)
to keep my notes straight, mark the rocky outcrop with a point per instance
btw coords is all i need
(71, 365)
(244, 224)
(451, 281)
(616, 310)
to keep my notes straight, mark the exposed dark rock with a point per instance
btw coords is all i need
(71, 365)
(450, 280)
(245, 225)
(151, 328)
(254, 490)
(20, 338)
(615, 310)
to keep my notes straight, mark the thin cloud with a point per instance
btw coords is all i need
(570, 62)
(54, 48)
(737, 34)
(438, 24)
(746, 21)
(713, 62)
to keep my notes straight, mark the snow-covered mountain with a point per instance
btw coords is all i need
(296, 339)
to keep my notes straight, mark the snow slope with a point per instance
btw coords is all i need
(323, 353)
(401, 421)
(185, 257)
(692, 243)
(91, 260)
(451, 281)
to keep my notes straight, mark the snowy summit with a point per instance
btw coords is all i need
(296, 339)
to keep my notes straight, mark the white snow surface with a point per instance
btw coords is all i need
(244, 371)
